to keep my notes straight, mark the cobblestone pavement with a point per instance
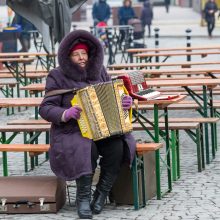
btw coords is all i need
(194, 196)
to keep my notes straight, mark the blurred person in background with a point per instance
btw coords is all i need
(167, 5)
(25, 35)
(101, 12)
(125, 12)
(209, 14)
(147, 16)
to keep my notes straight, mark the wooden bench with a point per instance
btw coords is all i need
(31, 134)
(28, 122)
(28, 70)
(25, 54)
(137, 167)
(31, 76)
(141, 50)
(174, 139)
(169, 72)
(33, 149)
(7, 88)
(199, 53)
(34, 88)
(162, 64)
(18, 60)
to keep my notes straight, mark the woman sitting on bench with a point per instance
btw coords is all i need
(73, 157)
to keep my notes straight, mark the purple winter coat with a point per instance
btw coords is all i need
(70, 153)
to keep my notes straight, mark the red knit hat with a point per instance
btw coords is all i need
(80, 46)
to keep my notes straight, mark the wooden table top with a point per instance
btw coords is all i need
(34, 102)
(183, 64)
(27, 75)
(185, 82)
(137, 50)
(34, 87)
(18, 59)
(19, 102)
(163, 102)
(24, 128)
(9, 83)
(182, 71)
(202, 53)
(28, 122)
(3, 55)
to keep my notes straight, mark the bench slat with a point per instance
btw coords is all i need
(24, 128)
(183, 120)
(146, 147)
(28, 122)
(24, 147)
(172, 126)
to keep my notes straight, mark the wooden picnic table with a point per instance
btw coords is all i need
(184, 71)
(27, 75)
(160, 104)
(46, 61)
(138, 50)
(8, 83)
(37, 87)
(161, 64)
(207, 87)
(17, 60)
(28, 54)
(20, 102)
(33, 70)
(202, 53)
(187, 82)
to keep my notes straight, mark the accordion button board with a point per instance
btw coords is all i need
(103, 115)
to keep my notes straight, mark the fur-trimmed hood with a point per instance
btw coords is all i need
(94, 66)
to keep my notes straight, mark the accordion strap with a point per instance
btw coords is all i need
(59, 92)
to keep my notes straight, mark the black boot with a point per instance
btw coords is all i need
(102, 190)
(83, 196)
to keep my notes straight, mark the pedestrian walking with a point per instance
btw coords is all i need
(167, 5)
(147, 16)
(101, 12)
(25, 35)
(209, 13)
(72, 156)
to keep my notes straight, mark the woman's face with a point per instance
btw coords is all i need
(79, 57)
(127, 3)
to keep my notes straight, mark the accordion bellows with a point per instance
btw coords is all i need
(103, 115)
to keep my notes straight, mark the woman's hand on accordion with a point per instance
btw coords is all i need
(127, 102)
(73, 112)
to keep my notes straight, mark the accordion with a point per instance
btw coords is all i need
(137, 87)
(103, 115)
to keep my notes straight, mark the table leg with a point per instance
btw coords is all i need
(205, 112)
(174, 154)
(178, 153)
(212, 125)
(168, 150)
(4, 157)
(157, 153)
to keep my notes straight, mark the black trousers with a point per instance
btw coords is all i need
(111, 151)
(210, 26)
(25, 43)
